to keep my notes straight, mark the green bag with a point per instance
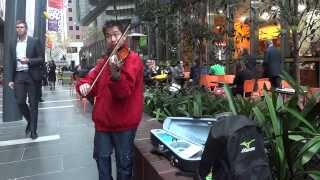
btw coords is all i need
(217, 69)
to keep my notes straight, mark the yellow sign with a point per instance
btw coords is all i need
(269, 32)
(161, 76)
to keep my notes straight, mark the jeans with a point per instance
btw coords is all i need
(122, 142)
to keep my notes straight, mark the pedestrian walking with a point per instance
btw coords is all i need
(52, 75)
(25, 75)
(273, 64)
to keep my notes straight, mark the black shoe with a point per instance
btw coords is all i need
(41, 100)
(28, 130)
(34, 135)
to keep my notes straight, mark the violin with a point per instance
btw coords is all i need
(123, 53)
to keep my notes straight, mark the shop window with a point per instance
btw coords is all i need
(72, 50)
(77, 36)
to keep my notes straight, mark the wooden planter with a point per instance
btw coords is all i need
(148, 166)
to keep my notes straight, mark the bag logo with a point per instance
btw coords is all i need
(247, 146)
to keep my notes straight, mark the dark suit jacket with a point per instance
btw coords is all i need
(273, 61)
(35, 56)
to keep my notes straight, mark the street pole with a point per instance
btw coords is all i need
(284, 46)
(253, 31)
(157, 39)
(229, 37)
(40, 23)
(15, 9)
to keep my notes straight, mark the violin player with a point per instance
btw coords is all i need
(118, 103)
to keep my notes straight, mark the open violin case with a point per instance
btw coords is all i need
(182, 140)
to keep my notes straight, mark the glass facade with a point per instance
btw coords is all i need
(83, 8)
(95, 16)
(252, 23)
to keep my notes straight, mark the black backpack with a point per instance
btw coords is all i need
(234, 150)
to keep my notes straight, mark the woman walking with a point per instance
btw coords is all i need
(52, 75)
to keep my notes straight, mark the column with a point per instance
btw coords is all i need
(254, 31)
(15, 9)
(40, 21)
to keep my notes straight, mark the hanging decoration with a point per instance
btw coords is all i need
(56, 4)
(45, 13)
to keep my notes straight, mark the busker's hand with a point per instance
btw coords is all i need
(115, 67)
(84, 89)
(24, 60)
(11, 85)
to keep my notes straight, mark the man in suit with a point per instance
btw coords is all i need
(25, 75)
(273, 64)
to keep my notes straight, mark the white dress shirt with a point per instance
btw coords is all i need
(21, 51)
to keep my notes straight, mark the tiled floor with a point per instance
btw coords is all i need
(69, 157)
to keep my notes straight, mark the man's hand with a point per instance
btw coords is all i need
(11, 85)
(115, 67)
(24, 60)
(84, 89)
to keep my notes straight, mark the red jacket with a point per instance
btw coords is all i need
(118, 104)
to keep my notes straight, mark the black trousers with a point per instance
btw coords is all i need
(25, 86)
(39, 86)
(275, 81)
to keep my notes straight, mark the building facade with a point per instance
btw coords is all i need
(2, 19)
(75, 34)
(93, 14)
(74, 29)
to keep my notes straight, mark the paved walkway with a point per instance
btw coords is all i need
(65, 151)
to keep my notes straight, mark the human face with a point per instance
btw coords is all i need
(112, 35)
(21, 30)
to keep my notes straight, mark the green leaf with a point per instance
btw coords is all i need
(197, 105)
(230, 99)
(168, 113)
(159, 113)
(299, 117)
(273, 116)
(279, 102)
(282, 166)
(309, 150)
(259, 116)
(296, 137)
(314, 174)
(307, 131)
(279, 147)
(310, 153)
